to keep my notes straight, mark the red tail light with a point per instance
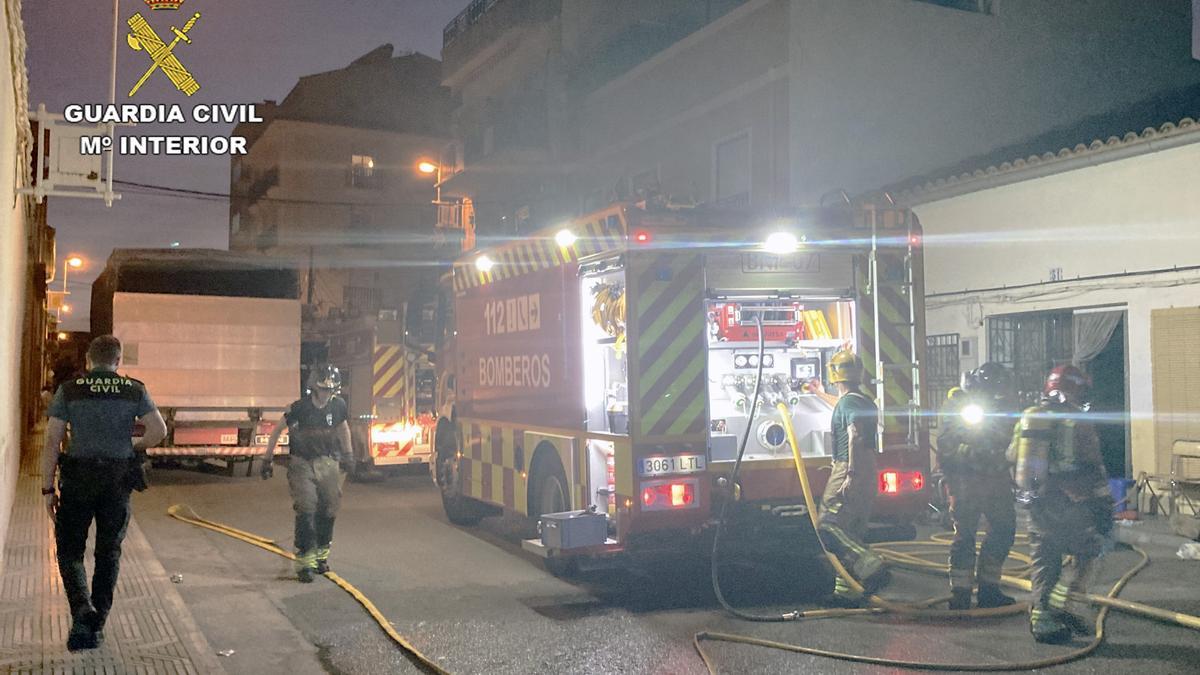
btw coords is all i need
(894, 482)
(889, 482)
(641, 237)
(668, 495)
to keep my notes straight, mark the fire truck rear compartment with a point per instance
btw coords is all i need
(800, 334)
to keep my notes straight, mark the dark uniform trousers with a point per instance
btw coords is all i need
(844, 520)
(91, 489)
(1060, 527)
(315, 484)
(974, 496)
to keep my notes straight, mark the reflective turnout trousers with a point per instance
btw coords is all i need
(972, 497)
(316, 488)
(1060, 527)
(844, 520)
(91, 490)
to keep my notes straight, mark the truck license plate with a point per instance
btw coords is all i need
(661, 466)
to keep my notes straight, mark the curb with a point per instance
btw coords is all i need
(1138, 535)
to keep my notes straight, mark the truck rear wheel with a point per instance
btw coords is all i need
(550, 496)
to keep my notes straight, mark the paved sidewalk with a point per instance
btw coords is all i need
(149, 631)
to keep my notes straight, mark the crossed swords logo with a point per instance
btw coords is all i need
(161, 54)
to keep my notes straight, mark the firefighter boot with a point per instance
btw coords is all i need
(844, 596)
(83, 631)
(990, 596)
(1046, 627)
(1075, 623)
(322, 560)
(306, 566)
(960, 598)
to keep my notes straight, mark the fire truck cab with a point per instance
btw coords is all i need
(598, 377)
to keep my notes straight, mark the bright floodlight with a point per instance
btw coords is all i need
(75, 261)
(781, 242)
(972, 414)
(66, 309)
(565, 238)
(427, 167)
(484, 263)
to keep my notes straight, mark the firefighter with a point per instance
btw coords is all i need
(1060, 478)
(846, 503)
(319, 444)
(972, 454)
(96, 474)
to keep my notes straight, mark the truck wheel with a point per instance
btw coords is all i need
(550, 496)
(460, 509)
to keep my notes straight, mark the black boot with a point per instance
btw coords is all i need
(1076, 624)
(305, 575)
(83, 632)
(990, 596)
(1046, 627)
(960, 598)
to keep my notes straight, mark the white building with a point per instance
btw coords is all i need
(1091, 255)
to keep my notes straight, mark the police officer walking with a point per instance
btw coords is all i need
(972, 453)
(850, 492)
(319, 445)
(1060, 478)
(96, 475)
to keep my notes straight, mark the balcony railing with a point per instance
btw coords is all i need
(465, 19)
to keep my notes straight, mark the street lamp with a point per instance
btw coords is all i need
(427, 167)
(71, 261)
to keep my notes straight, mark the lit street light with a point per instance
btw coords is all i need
(429, 168)
(71, 261)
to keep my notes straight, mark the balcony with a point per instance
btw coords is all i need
(482, 26)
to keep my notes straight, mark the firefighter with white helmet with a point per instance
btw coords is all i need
(846, 503)
(319, 445)
(1061, 479)
(971, 451)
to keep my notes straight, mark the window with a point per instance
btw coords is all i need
(362, 171)
(1030, 345)
(978, 6)
(731, 171)
(942, 373)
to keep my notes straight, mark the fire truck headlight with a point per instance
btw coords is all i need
(565, 238)
(484, 264)
(781, 243)
(972, 414)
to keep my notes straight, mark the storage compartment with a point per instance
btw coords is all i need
(800, 334)
(605, 362)
(573, 529)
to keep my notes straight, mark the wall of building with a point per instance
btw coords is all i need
(1124, 218)
(12, 259)
(887, 89)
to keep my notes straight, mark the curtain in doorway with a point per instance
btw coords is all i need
(1092, 333)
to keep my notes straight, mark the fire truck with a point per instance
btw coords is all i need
(388, 384)
(598, 376)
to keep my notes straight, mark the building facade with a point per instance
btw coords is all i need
(1087, 255)
(331, 182)
(564, 105)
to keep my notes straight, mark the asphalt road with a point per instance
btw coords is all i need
(472, 600)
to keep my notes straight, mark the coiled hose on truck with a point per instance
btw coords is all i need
(906, 554)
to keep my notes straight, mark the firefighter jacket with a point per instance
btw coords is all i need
(1057, 451)
(974, 444)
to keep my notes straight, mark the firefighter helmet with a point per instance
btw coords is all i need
(845, 366)
(1067, 381)
(990, 379)
(325, 376)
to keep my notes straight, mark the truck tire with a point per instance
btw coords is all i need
(460, 509)
(550, 496)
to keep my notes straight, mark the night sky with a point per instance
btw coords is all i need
(241, 52)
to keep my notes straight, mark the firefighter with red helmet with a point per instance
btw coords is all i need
(846, 503)
(320, 449)
(1060, 478)
(972, 454)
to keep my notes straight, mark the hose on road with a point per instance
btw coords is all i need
(186, 514)
(908, 555)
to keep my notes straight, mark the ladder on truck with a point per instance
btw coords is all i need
(897, 295)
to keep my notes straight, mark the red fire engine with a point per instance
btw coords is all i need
(605, 369)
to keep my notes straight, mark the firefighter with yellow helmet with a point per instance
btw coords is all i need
(1060, 478)
(846, 503)
(971, 452)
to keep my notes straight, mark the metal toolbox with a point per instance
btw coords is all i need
(574, 529)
